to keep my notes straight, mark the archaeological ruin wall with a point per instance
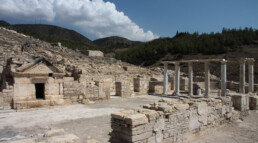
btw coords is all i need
(170, 120)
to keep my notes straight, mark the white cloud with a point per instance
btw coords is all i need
(92, 16)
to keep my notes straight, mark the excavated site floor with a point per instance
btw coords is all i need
(92, 121)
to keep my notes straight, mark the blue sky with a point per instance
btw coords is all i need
(141, 20)
(167, 16)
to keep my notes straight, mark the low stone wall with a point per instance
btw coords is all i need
(141, 86)
(123, 89)
(241, 103)
(83, 92)
(169, 120)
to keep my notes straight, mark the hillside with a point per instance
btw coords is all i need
(231, 44)
(70, 38)
(115, 42)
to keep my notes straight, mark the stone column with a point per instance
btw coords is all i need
(251, 75)
(177, 78)
(190, 81)
(165, 80)
(223, 82)
(242, 76)
(207, 78)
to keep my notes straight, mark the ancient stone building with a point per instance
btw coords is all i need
(93, 53)
(32, 83)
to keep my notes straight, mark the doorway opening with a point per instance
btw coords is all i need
(40, 90)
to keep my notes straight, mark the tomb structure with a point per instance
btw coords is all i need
(32, 83)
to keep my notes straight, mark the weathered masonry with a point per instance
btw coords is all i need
(29, 83)
(32, 84)
(190, 75)
(223, 81)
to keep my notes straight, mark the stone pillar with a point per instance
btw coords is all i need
(251, 75)
(190, 81)
(177, 78)
(207, 78)
(223, 82)
(165, 80)
(242, 76)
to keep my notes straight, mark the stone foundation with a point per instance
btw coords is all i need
(253, 102)
(241, 103)
(169, 120)
(141, 86)
(123, 89)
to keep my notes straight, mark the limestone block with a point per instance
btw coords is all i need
(121, 114)
(139, 129)
(136, 119)
(24, 89)
(159, 137)
(150, 114)
(159, 125)
(182, 106)
(241, 102)
(151, 139)
(203, 119)
(166, 108)
(202, 108)
(139, 137)
(253, 102)
(194, 122)
(53, 88)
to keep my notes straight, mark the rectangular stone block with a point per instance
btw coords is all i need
(253, 102)
(136, 119)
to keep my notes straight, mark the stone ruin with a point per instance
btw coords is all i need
(180, 116)
(39, 74)
(93, 53)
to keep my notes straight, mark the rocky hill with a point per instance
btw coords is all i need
(53, 31)
(13, 44)
(116, 43)
(70, 38)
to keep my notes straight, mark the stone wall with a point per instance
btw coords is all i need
(83, 92)
(93, 53)
(253, 102)
(169, 120)
(156, 87)
(141, 86)
(24, 92)
(6, 97)
(241, 103)
(123, 89)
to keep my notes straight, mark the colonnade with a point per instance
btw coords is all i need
(250, 62)
(223, 84)
(190, 75)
